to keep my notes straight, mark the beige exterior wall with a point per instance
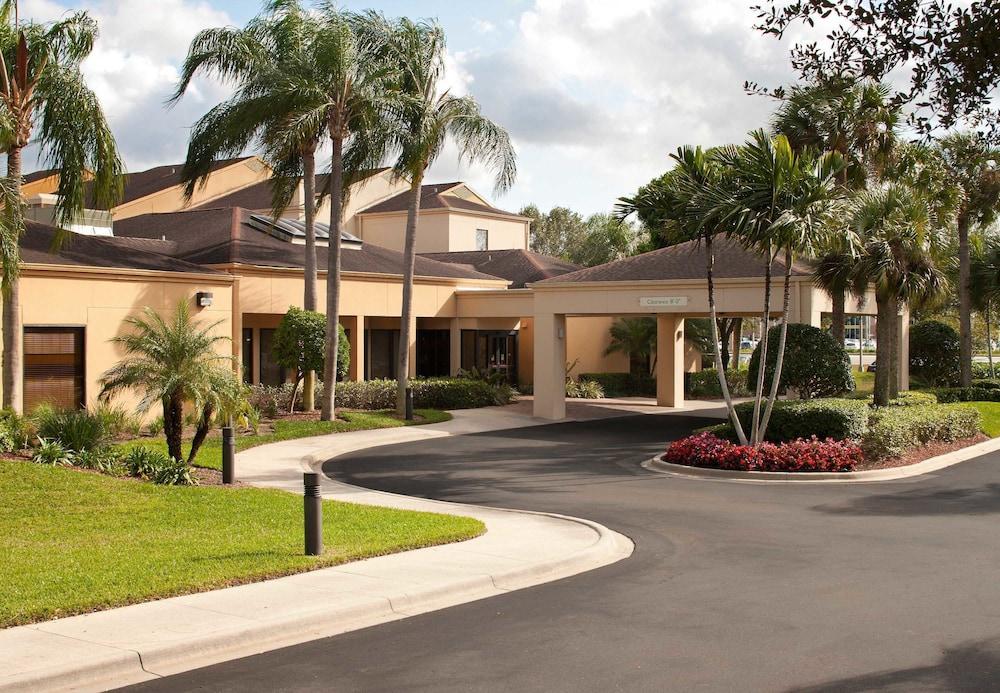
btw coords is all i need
(101, 300)
(368, 192)
(503, 233)
(388, 230)
(221, 182)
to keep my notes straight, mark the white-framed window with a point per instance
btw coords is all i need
(482, 239)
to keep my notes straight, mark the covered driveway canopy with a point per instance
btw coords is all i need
(670, 284)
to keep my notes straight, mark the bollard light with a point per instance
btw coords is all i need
(228, 455)
(313, 513)
(409, 404)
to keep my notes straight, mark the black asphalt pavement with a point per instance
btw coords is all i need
(888, 586)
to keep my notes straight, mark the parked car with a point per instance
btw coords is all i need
(747, 343)
(852, 344)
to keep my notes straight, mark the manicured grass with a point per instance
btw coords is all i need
(73, 541)
(210, 453)
(990, 413)
(864, 382)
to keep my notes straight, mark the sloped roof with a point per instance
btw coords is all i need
(154, 180)
(39, 175)
(224, 235)
(519, 266)
(434, 196)
(681, 261)
(38, 246)
(257, 197)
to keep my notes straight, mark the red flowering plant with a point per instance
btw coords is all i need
(802, 455)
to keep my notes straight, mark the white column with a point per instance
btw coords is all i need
(355, 324)
(550, 366)
(669, 360)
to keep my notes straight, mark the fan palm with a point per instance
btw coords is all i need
(674, 202)
(776, 201)
(430, 117)
(974, 165)
(173, 362)
(44, 99)
(984, 285)
(636, 338)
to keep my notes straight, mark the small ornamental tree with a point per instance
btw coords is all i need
(300, 343)
(816, 365)
(934, 352)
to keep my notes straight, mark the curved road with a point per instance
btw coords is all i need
(890, 586)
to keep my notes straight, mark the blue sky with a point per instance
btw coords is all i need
(595, 93)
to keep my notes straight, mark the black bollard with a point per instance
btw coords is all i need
(313, 506)
(409, 404)
(228, 455)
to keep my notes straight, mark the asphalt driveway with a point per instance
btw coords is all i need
(889, 586)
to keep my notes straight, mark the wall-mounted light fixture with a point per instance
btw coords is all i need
(203, 299)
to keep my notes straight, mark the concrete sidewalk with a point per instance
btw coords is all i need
(135, 643)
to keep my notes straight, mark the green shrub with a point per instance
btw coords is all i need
(982, 370)
(430, 393)
(966, 394)
(823, 418)
(143, 462)
(52, 452)
(623, 384)
(170, 472)
(705, 383)
(934, 353)
(117, 420)
(155, 427)
(912, 398)
(16, 432)
(987, 383)
(894, 430)
(76, 429)
(104, 460)
(814, 363)
(584, 389)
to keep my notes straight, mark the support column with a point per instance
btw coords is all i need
(356, 326)
(550, 366)
(237, 331)
(903, 325)
(669, 360)
(412, 360)
(455, 346)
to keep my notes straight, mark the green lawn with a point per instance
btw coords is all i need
(210, 453)
(864, 382)
(990, 412)
(73, 541)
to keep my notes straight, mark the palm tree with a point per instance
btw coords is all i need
(984, 285)
(174, 363)
(44, 99)
(834, 272)
(430, 116)
(636, 338)
(778, 202)
(974, 165)
(673, 205)
(265, 61)
(899, 242)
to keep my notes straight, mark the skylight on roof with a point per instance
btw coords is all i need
(294, 230)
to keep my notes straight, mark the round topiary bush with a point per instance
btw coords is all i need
(934, 353)
(815, 365)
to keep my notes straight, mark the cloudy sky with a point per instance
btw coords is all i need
(595, 93)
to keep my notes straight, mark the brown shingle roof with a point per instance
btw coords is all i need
(433, 197)
(257, 197)
(37, 246)
(39, 175)
(519, 266)
(681, 261)
(223, 236)
(153, 180)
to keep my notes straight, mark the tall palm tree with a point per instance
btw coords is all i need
(984, 285)
(974, 165)
(264, 61)
(834, 272)
(44, 99)
(429, 117)
(900, 245)
(675, 205)
(778, 202)
(173, 362)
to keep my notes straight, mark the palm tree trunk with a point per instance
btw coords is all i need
(780, 360)
(838, 315)
(737, 340)
(964, 302)
(723, 340)
(883, 349)
(204, 424)
(406, 317)
(723, 383)
(327, 412)
(13, 383)
(894, 343)
(759, 390)
(173, 425)
(989, 338)
(309, 294)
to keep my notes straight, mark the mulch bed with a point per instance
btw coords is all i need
(924, 452)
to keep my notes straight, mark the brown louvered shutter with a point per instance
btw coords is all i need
(53, 367)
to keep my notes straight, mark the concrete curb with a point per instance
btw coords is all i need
(927, 466)
(144, 641)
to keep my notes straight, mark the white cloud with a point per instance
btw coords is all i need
(484, 26)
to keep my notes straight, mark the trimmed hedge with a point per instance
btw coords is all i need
(705, 383)
(934, 352)
(976, 393)
(822, 418)
(894, 430)
(623, 384)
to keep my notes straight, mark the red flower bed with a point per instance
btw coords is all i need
(813, 455)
